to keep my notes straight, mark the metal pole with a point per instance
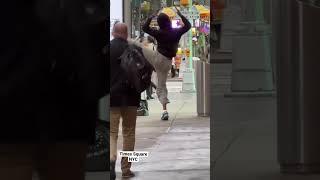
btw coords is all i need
(188, 84)
(190, 37)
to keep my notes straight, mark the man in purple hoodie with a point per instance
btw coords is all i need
(168, 41)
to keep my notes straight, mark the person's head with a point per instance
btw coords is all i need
(164, 21)
(120, 30)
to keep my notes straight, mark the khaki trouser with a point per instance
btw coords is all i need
(162, 65)
(129, 116)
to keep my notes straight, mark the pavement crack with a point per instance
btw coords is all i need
(175, 117)
(228, 147)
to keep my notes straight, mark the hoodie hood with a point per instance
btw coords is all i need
(164, 21)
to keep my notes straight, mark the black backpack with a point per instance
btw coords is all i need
(137, 68)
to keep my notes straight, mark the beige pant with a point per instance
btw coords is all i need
(63, 161)
(162, 65)
(129, 116)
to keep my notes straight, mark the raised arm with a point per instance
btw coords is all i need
(185, 21)
(146, 27)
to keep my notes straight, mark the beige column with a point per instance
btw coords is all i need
(127, 14)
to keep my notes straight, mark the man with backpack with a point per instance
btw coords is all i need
(168, 41)
(124, 99)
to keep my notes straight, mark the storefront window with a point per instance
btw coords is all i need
(140, 10)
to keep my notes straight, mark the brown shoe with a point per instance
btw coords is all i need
(128, 174)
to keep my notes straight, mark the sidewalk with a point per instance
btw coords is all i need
(179, 148)
(175, 79)
(97, 176)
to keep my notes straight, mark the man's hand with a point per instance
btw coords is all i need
(155, 13)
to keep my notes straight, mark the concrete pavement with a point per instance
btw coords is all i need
(98, 176)
(179, 148)
(90, 176)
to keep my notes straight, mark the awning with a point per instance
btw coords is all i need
(203, 11)
(169, 11)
